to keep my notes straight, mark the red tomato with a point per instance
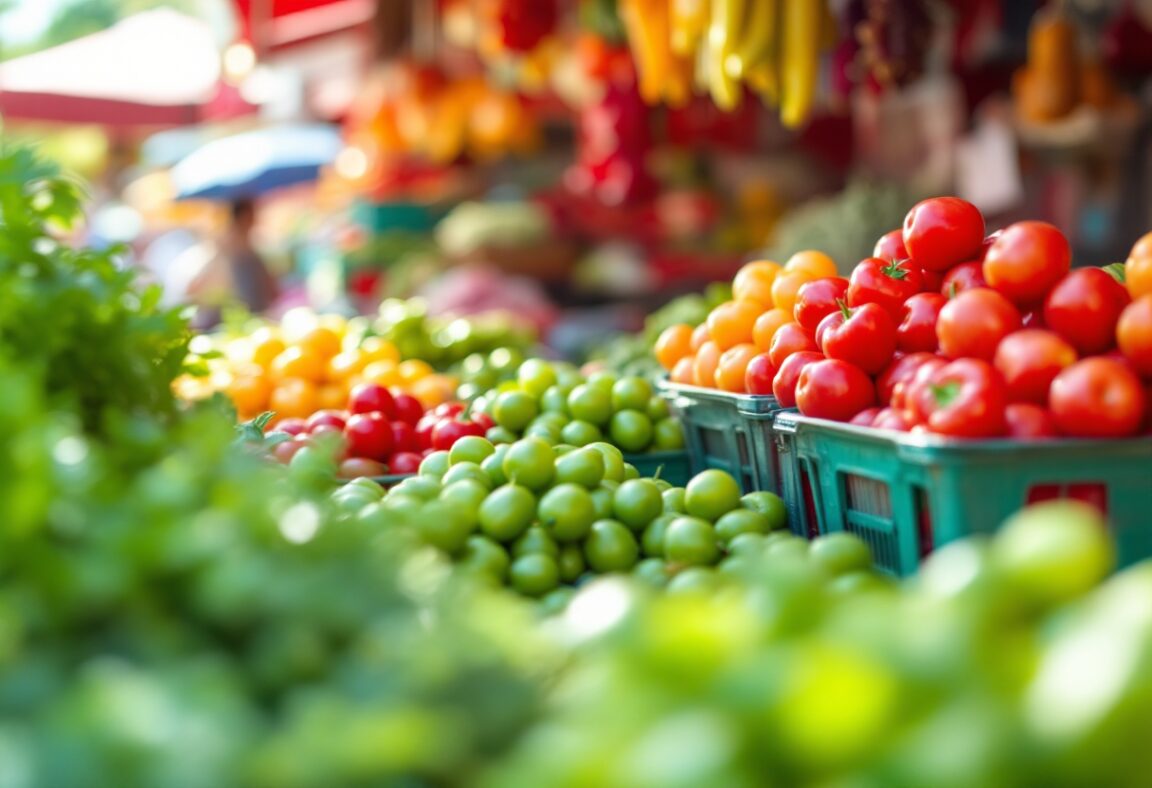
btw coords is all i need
(933, 280)
(943, 231)
(1097, 398)
(1033, 319)
(1084, 307)
(1029, 360)
(356, 467)
(448, 409)
(759, 374)
(965, 276)
(404, 463)
(404, 437)
(292, 426)
(818, 298)
(424, 429)
(991, 239)
(865, 417)
(483, 419)
(788, 339)
(963, 398)
(889, 284)
(890, 246)
(369, 435)
(834, 389)
(371, 398)
(1027, 261)
(784, 384)
(891, 419)
(330, 418)
(916, 331)
(1029, 421)
(864, 337)
(972, 324)
(1134, 335)
(900, 389)
(900, 370)
(408, 408)
(448, 431)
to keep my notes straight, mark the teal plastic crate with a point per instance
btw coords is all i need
(731, 432)
(674, 467)
(907, 494)
(392, 479)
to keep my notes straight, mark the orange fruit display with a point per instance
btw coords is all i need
(731, 323)
(786, 287)
(673, 344)
(298, 362)
(766, 326)
(754, 282)
(321, 340)
(294, 398)
(684, 371)
(732, 365)
(818, 264)
(1138, 276)
(705, 364)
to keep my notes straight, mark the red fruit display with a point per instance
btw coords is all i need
(943, 231)
(1026, 261)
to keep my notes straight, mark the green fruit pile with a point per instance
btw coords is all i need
(444, 342)
(538, 517)
(553, 401)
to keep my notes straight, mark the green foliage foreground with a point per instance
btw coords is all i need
(173, 612)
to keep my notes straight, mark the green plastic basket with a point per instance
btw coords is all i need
(674, 467)
(392, 479)
(907, 494)
(731, 432)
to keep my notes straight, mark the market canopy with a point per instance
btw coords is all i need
(155, 68)
(273, 24)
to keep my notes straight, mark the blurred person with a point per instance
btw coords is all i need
(235, 271)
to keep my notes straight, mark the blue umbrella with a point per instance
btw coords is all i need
(249, 164)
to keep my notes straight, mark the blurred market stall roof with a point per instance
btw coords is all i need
(155, 68)
(255, 162)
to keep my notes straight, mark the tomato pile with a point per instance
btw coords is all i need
(943, 330)
(539, 517)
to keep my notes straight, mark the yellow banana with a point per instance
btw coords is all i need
(723, 33)
(765, 81)
(678, 81)
(646, 24)
(756, 41)
(799, 59)
(689, 23)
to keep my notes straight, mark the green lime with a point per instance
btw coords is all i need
(602, 380)
(534, 574)
(555, 400)
(435, 464)
(637, 502)
(658, 409)
(613, 460)
(748, 544)
(741, 521)
(470, 448)
(652, 572)
(630, 471)
(610, 547)
(631, 430)
(567, 511)
(483, 555)
(493, 465)
(556, 601)
(694, 580)
(838, 553)
(580, 433)
(507, 512)
(543, 431)
(582, 466)
(514, 410)
(674, 500)
(571, 562)
(631, 393)
(467, 470)
(535, 540)
(667, 435)
(652, 540)
(602, 502)
(426, 488)
(446, 526)
(768, 504)
(467, 493)
(690, 540)
(535, 376)
(591, 404)
(530, 462)
(499, 436)
(711, 494)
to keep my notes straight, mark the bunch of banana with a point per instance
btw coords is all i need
(718, 47)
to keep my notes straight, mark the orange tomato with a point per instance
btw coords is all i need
(766, 326)
(818, 264)
(731, 323)
(322, 341)
(673, 344)
(299, 362)
(732, 365)
(700, 335)
(265, 347)
(754, 281)
(414, 369)
(250, 394)
(433, 389)
(379, 349)
(1142, 247)
(1138, 273)
(294, 397)
(332, 396)
(345, 365)
(704, 367)
(684, 371)
(787, 285)
(385, 373)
